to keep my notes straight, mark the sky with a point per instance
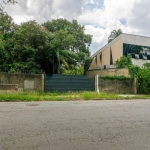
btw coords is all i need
(99, 17)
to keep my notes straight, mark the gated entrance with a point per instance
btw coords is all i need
(64, 83)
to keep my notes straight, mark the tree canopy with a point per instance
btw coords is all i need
(10, 1)
(114, 34)
(123, 62)
(52, 47)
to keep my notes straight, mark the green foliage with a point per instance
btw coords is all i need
(143, 77)
(114, 34)
(40, 96)
(6, 22)
(143, 81)
(76, 71)
(146, 65)
(87, 64)
(52, 47)
(10, 1)
(67, 36)
(133, 70)
(123, 62)
(141, 73)
(122, 78)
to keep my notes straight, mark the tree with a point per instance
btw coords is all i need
(51, 47)
(7, 2)
(123, 62)
(114, 34)
(28, 52)
(10, 1)
(146, 65)
(6, 22)
(6, 27)
(2, 45)
(68, 36)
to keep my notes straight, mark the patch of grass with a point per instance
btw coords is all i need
(68, 96)
(94, 95)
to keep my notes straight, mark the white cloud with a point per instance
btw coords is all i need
(112, 10)
(140, 16)
(99, 37)
(69, 10)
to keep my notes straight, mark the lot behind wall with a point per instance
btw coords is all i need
(30, 82)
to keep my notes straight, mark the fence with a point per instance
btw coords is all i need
(51, 83)
(64, 83)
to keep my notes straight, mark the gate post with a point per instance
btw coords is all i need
(42, 82)
(134, 86)
(96, 84)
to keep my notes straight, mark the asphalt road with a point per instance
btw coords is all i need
(78, 125)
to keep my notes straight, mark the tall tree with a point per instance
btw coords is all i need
(6, 27)
(114, 34)
(68, 36)
(29, 46)
(7, 2)
(10, 1)
(52, 47)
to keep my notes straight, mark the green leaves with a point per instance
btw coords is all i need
(143, 81)
(141, 73)
(51, 47)
(114, 34)
(69, 43)
(123, 62)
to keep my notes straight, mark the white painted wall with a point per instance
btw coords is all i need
(135, 39)
(139, 62)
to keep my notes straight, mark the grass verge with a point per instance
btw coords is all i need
(85, 95)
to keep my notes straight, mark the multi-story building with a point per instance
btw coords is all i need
(135, 46)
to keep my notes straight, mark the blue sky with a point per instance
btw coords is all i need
(94, 4)
(99, 17)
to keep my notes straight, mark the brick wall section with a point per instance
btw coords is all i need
(116, 86)
(30, 82)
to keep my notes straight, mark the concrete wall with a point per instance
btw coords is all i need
(106, 57)
(9, 87)
(116, 50)
(135, 39)
(139, 62)
(108, 72)
(24, 81)
(116, 86)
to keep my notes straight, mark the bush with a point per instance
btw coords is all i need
(123, 62)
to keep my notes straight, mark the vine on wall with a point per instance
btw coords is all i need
(141, 73)
(122, 78)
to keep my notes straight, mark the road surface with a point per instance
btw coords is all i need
(75, 125)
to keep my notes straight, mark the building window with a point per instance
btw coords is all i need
(95, 58)
(100, 55)
(136, 51)
(111, 59)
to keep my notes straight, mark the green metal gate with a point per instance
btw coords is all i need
(64, 83)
